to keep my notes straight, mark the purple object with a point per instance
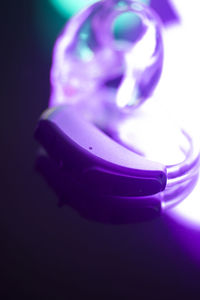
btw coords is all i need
(96, 160)
(112, 45)
(92, 206)
(103, 168)
(97, 79)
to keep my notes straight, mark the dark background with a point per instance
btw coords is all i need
(48, 252)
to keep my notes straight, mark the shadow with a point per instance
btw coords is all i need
(93, 206)
(111, 210)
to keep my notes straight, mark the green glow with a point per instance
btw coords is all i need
(145, 1)
(68, 8)
(125, 26)
(85, 53)
(83, 47)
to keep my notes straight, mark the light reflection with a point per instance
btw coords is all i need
(188, 212)
(155, 134)
(140, 57)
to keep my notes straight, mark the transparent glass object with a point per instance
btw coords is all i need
(108, 61)
(112, 45)
(156, 133)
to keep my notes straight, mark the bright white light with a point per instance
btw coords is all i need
(136, 60)
(179, 88)
(188, 212)
(155, 134)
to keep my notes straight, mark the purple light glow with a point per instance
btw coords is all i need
(87, 57)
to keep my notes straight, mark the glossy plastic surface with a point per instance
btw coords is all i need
(97, 161)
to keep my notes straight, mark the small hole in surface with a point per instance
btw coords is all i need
(90, 148)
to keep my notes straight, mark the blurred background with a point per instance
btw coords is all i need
(52, 252)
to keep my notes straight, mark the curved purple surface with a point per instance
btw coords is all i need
(94, 159)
